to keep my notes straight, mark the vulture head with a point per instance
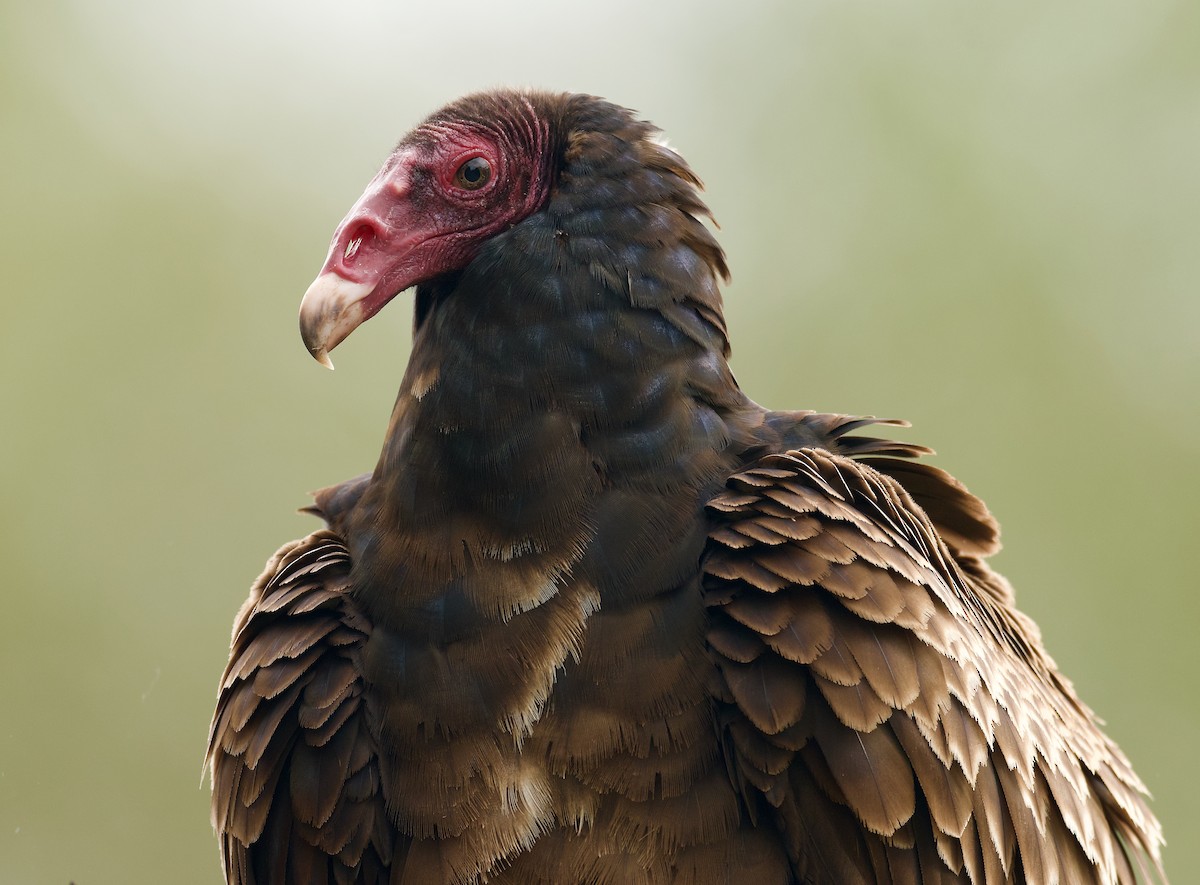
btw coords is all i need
(477, 168)
(454, 181)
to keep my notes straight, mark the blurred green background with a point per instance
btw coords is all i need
(984, 218)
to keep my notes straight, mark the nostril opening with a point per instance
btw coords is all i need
(359, 235)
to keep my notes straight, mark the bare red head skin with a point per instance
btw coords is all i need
(456, 180)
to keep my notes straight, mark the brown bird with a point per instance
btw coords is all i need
(597, 617)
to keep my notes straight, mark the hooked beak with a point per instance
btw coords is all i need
(332, 308)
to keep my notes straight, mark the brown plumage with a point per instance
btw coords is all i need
(596, 617)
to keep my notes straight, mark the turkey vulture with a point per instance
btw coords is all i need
(597, 617)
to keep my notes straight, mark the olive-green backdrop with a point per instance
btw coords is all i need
(982, 217)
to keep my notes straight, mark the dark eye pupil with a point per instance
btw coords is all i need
(474, 173)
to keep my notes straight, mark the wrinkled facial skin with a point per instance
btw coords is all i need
(447, 188)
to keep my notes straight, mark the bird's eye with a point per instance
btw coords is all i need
(473, 174)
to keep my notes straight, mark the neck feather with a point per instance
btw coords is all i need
(581, 352)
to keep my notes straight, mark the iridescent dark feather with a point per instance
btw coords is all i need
(597, 617)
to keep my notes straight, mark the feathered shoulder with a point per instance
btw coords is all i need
(883, 698)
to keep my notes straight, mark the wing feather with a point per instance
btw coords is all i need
(871, 771)
(856, 706)
(296, 791)
(864, 641)
(808, 633)
(765, 694)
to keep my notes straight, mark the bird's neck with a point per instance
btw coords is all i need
(521, 410)
(532, 532)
